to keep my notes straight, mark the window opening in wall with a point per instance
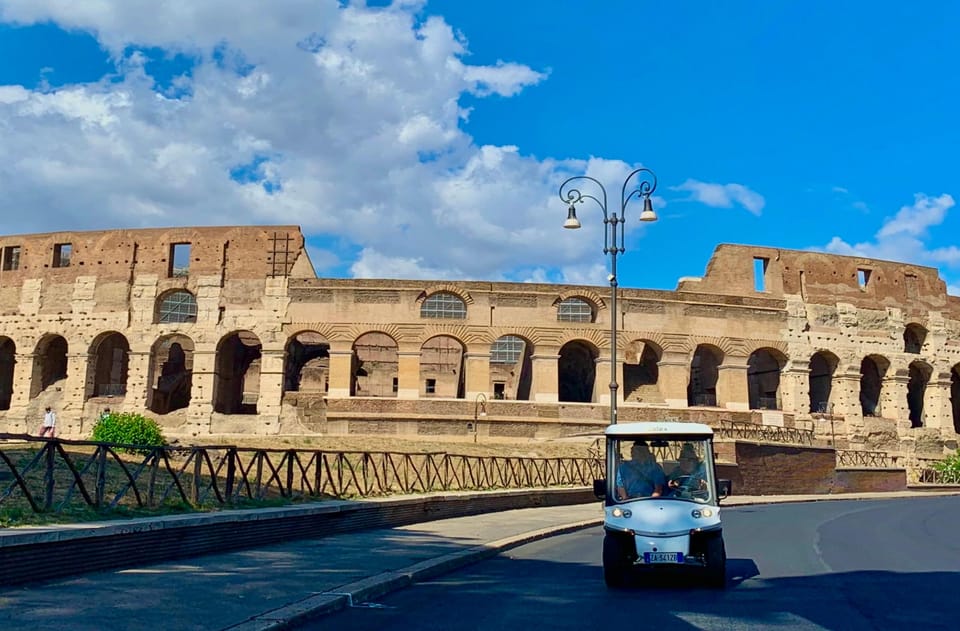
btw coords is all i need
(760, 273)
(11, 258)
(179, 260)
(506, 350)
(499, 390)
(443, 305)
(574, 310)
(863, 278)
(431, 386)
(911, 282)
(803, 286)
(61, 254)
(178, 306)
(396, 384)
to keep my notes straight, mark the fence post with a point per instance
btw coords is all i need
(48, 475)
(197, 471)
(291, 456)
(231, 473)
(101, 474)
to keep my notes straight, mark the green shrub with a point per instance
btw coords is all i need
(128, 429)
(949, 468)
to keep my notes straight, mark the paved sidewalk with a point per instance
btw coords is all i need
(273, 586)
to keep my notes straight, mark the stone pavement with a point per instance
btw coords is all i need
(275, 586)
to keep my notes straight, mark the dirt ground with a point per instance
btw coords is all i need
(578, 447)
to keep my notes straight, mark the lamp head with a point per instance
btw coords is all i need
(572, 222)
(648, 214)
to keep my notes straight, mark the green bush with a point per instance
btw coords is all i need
(949, 468)
(128, 429)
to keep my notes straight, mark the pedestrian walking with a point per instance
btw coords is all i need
(49, 426)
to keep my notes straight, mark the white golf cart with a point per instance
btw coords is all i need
(661, 501)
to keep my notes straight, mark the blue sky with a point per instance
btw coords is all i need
(428, 139)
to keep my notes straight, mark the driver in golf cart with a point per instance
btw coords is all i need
(689, 478)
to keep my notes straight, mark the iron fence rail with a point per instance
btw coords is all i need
(770, 433)
(55, 475)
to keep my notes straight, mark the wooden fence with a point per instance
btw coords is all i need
(55, 475)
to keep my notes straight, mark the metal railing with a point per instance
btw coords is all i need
(866, 459)
(54, 475)
(768, 433)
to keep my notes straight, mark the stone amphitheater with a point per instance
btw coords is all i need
(227, 331)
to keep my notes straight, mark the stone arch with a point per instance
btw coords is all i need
(306, 363)
(914, 335)
(375, 370)
(823, 366)
(445, 305)
(641, 371)
(704, 371)
(764, 366)
(576, 308)
(583, 293)
(236, 378)
(441, 367)
(171, 374)
(49, 363)
(955, 397)
(872, 370)
(919, 374)
(8, 359)
(108, 366)
(511, 367)
(577, 371)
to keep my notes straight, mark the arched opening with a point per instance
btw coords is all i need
(916, 388)
(176, 306)
(511, 368)
(822, 367)
(236, 382)
(171, 374)
(306, 363)
(376, 368)
(8, 358)
(441, 367)
(872, 370)
(704, 371)
(107, 372)
(577, 372)
(763, 378)
(641, 372)
(955, 397)
(914, 336)
(49, 363)
(575, 309)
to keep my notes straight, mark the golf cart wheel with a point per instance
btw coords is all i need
(716, 566)
(616, 560)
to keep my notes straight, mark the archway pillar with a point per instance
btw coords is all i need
(408, 374)
(138, 375)
(732, 389)
(845, 395)
(70, 414)
(341, 370)
(795, 388)
(674, 377)
(601, 381)
(477, 379)
(20, 398)
(546, 378)
(937, 405)
(271, 380)
(201, 382)
(893, 399)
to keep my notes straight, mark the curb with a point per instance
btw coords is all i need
(351, 594)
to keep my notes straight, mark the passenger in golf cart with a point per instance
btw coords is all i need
(671, 469)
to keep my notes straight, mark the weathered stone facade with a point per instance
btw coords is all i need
(228, 331)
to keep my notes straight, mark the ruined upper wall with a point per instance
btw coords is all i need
(820, 278)
(237, 252)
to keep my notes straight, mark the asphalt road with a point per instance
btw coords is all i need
(889, 564)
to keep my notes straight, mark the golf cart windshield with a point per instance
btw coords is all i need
(664, 467)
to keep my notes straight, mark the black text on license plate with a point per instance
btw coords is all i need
(663, 557)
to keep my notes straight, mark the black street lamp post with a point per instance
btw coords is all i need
(644, 184)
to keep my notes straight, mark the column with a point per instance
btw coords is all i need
(674, 377)
(937, 407)
(732, 391)
(601, 382)
(271, 380)
(138, 379)
(408, 374)
(70, 414)
(341, 370)
(477, 381)
(893, 399)
(546, 379)
(795, 388)
(202, 382)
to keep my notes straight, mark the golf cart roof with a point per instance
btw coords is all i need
(659, 428)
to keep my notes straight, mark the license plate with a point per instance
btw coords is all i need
(663, 557)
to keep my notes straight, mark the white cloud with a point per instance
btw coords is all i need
(839, 189)
(723, 195)
(345, 120)
(903, 236)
